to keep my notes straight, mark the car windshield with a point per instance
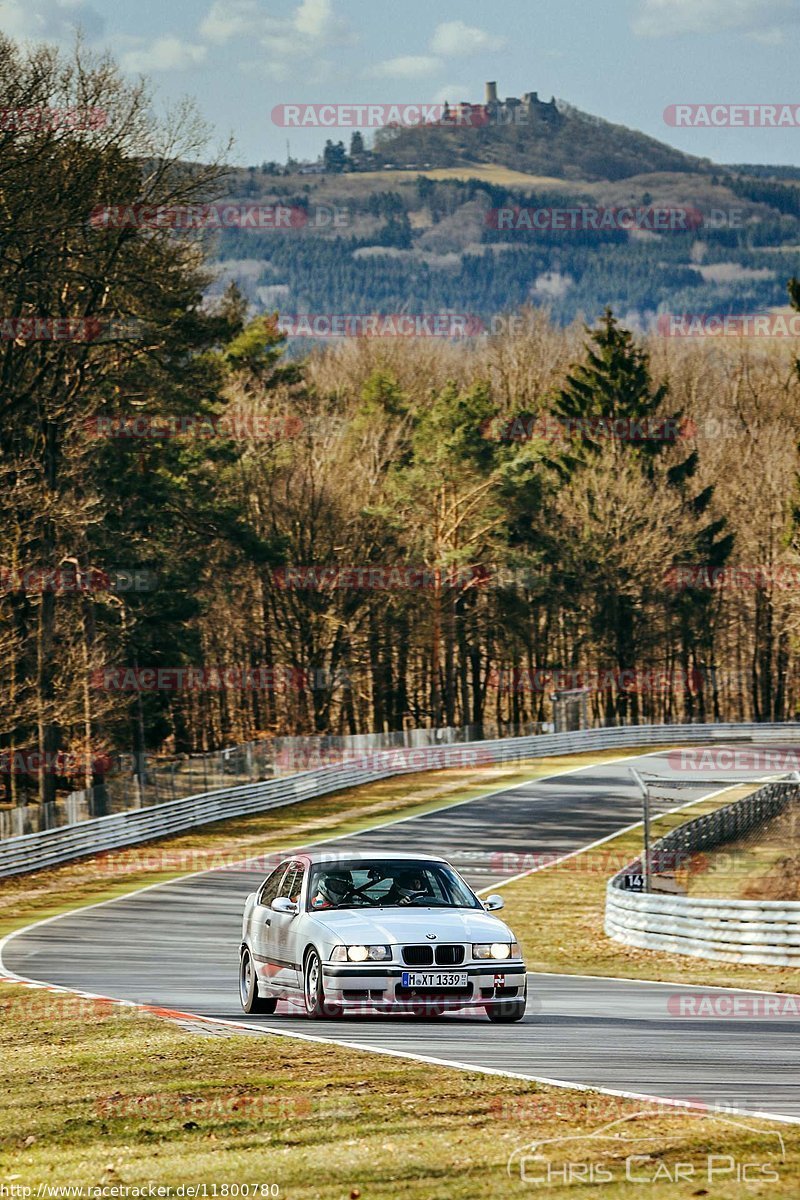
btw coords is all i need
(387, 884)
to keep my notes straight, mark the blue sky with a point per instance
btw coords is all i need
(624, 60)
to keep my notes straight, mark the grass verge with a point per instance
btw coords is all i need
(95, 1099)
(762, 866)
(101, 1097)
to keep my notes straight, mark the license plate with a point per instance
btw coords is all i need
(435, 979)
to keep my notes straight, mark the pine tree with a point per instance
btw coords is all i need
(612, 385)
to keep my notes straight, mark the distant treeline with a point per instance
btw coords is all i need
(489, 520)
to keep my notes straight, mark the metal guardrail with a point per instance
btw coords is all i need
(140, 780)
(737, 931)
(51, 847)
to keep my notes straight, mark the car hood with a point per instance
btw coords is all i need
(389, 926)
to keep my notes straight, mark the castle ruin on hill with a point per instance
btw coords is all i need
(514, 110)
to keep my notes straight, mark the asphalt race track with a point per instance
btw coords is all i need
(176, 945)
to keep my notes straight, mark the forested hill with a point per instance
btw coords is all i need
(417, 241)
(558, 140)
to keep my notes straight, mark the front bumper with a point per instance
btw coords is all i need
(381, 985)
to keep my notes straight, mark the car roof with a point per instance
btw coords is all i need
(333, 856)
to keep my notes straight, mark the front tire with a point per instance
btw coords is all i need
(506, 1012)
(313, 992)
(248, 988)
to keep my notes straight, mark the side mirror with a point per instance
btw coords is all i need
(494, 902)
(283, 904)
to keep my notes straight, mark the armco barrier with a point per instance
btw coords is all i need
(739, 931)
(33, 851)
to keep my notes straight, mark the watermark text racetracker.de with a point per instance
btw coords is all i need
(235, 424)
(380, 325)
(594, 220)
(779, 576)
(393, 115)
(638, 680)
(80, 330)
(70, 579)
(624, 219)
(548, 428)
(377, 577)
(20, 119)
(187, 218)
(215, 679)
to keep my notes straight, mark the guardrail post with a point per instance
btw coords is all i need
(645, 792)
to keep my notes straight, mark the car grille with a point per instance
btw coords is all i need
(426, 956)
(418, 956)
(449, 956)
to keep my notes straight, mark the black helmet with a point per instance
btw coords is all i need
(411, 879)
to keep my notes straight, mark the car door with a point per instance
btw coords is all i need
(285, 927)
(261, 933)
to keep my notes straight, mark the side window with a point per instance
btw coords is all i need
(292, 882)
(270, 889)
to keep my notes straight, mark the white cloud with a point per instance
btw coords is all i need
(407, 66)
(311, 28)
(50, 20)
(315, 19)
(227, 19)
(454, 39)
(661, 18)
(163, 54)
(769, 37)
(320, 71)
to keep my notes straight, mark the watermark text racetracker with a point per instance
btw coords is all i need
(70, 579)
(380, 325)
(733, 116)
(394, 115)
(258, 218)
(19, 119)
(549, 428)
(780, 576)
(734, 1006)
(378, 577)
(143, 860)
(236, 424)
(215, 679)
(762, 760)
(698, 325)
(623, 219)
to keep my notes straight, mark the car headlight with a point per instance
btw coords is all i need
(495, 950)
(361, 953)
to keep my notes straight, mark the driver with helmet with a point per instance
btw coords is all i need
(408, 885)
(333, 889)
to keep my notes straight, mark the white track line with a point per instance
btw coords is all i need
(178, 1017)
(338, 837)
(602, 841)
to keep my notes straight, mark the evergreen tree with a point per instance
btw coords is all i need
(611, 392)
(334, 157)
